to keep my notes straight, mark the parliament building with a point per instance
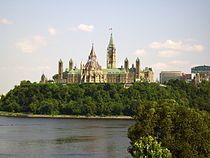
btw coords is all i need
(92, 72)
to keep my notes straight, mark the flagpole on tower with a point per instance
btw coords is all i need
(110, 29)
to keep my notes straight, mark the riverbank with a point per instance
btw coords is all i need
(12, 114)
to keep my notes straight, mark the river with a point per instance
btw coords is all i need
(61, 138)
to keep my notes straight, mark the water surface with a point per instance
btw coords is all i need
(61, 138)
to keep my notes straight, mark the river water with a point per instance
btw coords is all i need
(61, 138)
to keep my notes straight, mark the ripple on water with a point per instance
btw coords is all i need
(74, 139)
(73, 155)
(65, 140)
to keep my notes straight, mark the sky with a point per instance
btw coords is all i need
(165, 35)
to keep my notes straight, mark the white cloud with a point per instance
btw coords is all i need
(168, 44)
(197, 47)
(40, 40)
(168, 53)
(171, 65)
(5, 21)
(32, 44)
(45, 67)
(52, 31)
(185, 46)
(25, 46)
(160, 66)
(180, 62)
(27, 69)
(85, 28)
(140, 52)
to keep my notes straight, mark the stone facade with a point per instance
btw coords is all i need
(92, 72)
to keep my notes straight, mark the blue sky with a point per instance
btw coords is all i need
(165, 35)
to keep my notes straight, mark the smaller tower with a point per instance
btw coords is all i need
(138, 68)
(71, 64)
(81, 65)
(126, 64)
(43, 79)
(60, 69)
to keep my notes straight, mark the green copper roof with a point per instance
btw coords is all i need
(200, 69)
(147, 69)
(114, 71)
(74, 71)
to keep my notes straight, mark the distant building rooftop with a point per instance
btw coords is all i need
(171, 72)
(200, 69)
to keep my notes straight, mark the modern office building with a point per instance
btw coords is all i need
(165, 76)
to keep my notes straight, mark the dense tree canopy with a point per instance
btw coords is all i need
(196, 96)
(184, 131)
(101, 99)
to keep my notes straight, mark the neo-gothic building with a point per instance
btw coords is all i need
(92, 72)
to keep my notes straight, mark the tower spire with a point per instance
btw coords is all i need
(111, 43)
(111, 54)
(70, 64)
(126, 64)
(60, 69)
(92, 52)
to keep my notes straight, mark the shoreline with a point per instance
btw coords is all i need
(25, 115)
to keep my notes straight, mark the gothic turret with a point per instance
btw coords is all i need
(81, 65)
(71, 64)
(138, 68)
(111, 54)
(60, 69)
(126, 64)
(43, 79)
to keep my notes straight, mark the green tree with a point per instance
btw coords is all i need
(68, 108)
(184, 131)
(148, 147)
(13, 106)
(49, 106)
(33, 107)
(103, 99)
(88, 106)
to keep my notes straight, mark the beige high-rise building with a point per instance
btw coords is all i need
(165, 76)
(92, 72)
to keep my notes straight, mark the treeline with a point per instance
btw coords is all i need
(101, 99)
